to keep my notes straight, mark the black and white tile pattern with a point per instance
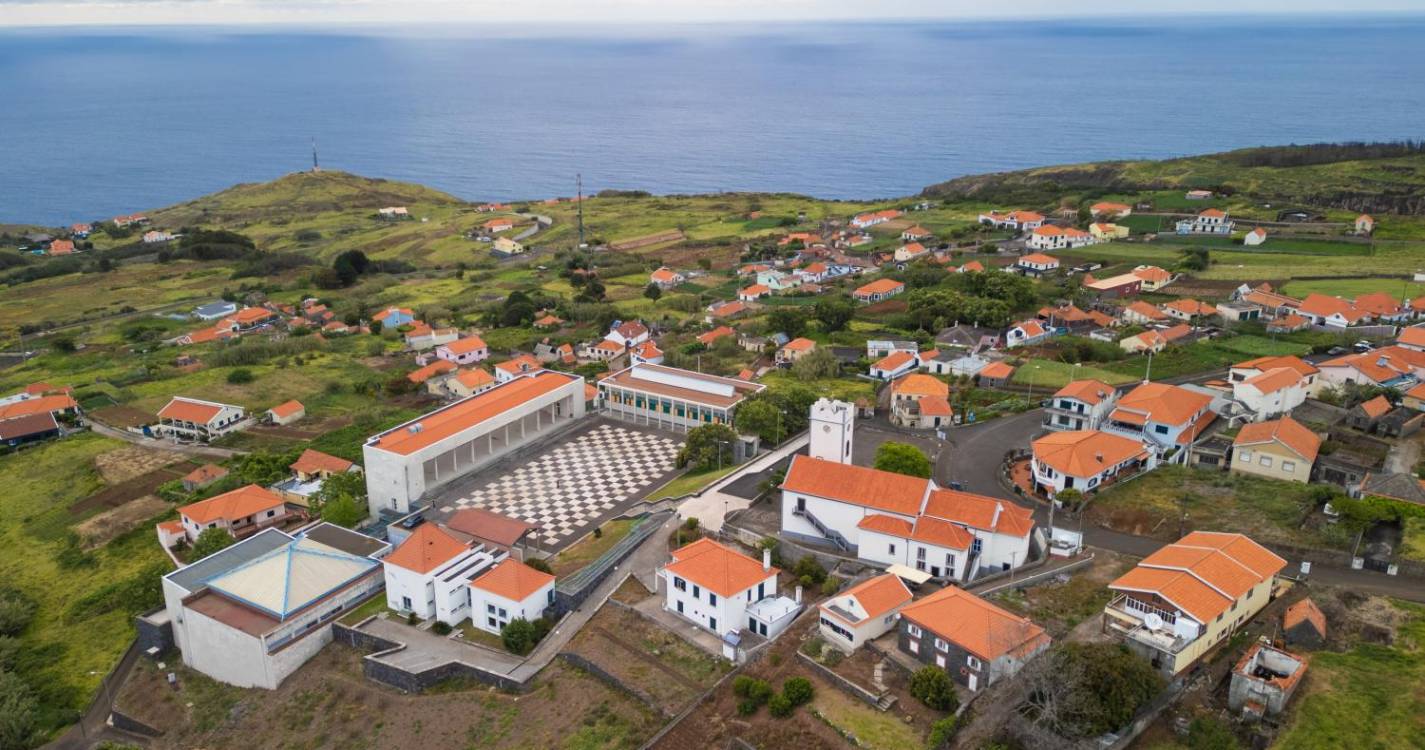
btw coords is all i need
(576, 483)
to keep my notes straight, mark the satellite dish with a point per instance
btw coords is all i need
(1153, 621)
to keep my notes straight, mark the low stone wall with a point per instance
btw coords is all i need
(412, 682)
(1031, 580)
(846, 686)
(612, 681)
(131, 725)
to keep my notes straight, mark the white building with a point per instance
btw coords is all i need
(466, 351)
(628, 334)
(240, 512)
(509, 591)
(251, 614)
(407, 461)
(863, 612)
(194, 419)
(1167, 417)
(429, 572)
(673, 398)
(1272, 393)
(1080, 405)
(1085, 460)
(1018, 220)
(1026, 332)
(831, 430)
(724, 591)
(1211, 221)
(889, 518)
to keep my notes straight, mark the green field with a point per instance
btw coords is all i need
(1352, 288)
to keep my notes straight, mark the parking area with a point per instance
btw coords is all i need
(571, 485)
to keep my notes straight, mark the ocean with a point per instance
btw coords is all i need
(100, 122)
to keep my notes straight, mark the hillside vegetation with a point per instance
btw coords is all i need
(299, 193)
(1374, 178)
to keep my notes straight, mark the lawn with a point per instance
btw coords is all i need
(1368, 697)
(1285, 246)
(689, 483)
(871, 728)
(590, 547)
(1414, 546)
(70, 644)
(1052, 374)
(1352, 288)
(1266, 510)
(844, 389)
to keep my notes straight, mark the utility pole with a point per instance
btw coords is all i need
(579, 189)
(316, 166)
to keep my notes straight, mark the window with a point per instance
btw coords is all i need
(920, 553)
(550, 597)
(1289, 467)
(491, 622)
(1161, 429)
(940, 661)
(712, 598)
(490, 609)
(1265, 461)
(914, 630)
(941, 645)
(680, 584)
(680, 606)
(752, 624)
(1244, 456)
(503, 613)
(949, 561)
(697, 591)
(914, 647)
(890, 549)
(712, 623)
(271, 513)
(761, 589)
(976, 546)
(972, 662)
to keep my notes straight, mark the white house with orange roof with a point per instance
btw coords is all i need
(184, 418)
(429, 572)
(1036, 264)
(1365, 224)
(240, 512)
(411, 459)
(892, 519)
(794, 350)
(1142, 313)
(1254, 237)
(509, 591)
(862, 221)
(1388, 366)
(466, 351)
(1278, 394)
(1168, 417)
(666, 278)
(628, 333)
(287, 412)
(1080, 405)
(1154, 278)
(911, 251)
(1186, 598)
(894, 365)
(1085, 460)
(646, 353)
(863, 612)
(1110, 209)
(1026, 332)
(468, 382)
(878, 290)
(920, 401)
(522, 364)
(725, 592)
(1209, 221)
(424, 336)
(916, 233)
(1023, 221)
(1051, 237)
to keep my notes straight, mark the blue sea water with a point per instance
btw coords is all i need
(95, 123)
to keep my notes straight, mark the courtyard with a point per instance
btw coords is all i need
(572, 484)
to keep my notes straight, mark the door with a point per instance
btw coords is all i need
(406, 603)
(974, 682)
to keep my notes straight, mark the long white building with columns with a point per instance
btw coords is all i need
(408, 461)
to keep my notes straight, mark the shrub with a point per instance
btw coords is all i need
(208, 542)
(798, 690)
(17, 712)
(747, 707)
(814, 647)
(9, 652)
(518, 636)
(780, 706)
(830, 586)
(540, 565)
(1209, 733)
(931, 686)
(941, 732)
(441, 628)
(16, 611)
(240, 376)
(810, 568)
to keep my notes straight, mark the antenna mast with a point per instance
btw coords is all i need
(316, 166)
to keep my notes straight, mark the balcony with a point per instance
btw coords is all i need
(1125, 617)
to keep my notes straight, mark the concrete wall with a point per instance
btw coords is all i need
(152, 634)
(412, 682)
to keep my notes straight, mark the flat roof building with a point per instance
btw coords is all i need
(669, 397)
(409, 460)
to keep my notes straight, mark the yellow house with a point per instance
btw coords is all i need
(1280, 449)
(1105, 232)
(1414, 398)
(1189, 596)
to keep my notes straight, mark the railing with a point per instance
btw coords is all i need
(831, 535)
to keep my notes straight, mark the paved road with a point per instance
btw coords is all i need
(975, 453)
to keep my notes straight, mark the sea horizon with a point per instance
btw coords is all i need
(121, 119)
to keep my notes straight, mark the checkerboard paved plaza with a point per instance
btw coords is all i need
(576, 483)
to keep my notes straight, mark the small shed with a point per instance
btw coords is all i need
(286, 413)
(1303, 624)
(203, 476)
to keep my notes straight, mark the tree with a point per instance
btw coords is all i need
(931, 686)
(349, 265)
(16, 611)
(540, 564)
(18, 708)
(1069, 498)
(518, 635)
(653, 291)
(341, 499)
(780, 706)
(210, 541)
(789, 320)
(817, 364)
(834, 313)
(942, 732)
(707, 447)
(760, 418)
(240, 376)
(798, 690)
(902, 458)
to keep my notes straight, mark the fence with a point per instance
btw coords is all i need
(570, 592)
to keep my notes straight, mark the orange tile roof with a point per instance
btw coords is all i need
(883, 524)
(313, 461)
(474, 377)
(919, 384)
(980, 512)
(975, 625)
(1376, 407)
(1040, 259)
(1191, 307)
(1152, 274)
(1414, 335)
(249, 315)
(708, 338)
(1291, 321)
(1204, 572)
(1323, 305)
(857, 485)
(1109, 207)
(877, 596)
(664, 275)
(894, 361)
(205, 473)
(756, 290)
(526, 363)
(1168, 404)
(465, 414)
(287, 408)
(388, 312)
(1378, 303)
(800, 344)
(1146, 310)
(1212, 213)
(427, 548)
(1091, 392)
(941, 533)
(973, 265)
(188, 411)
(431, 370)
(879, 286)
(1274, 380)
(1304, 611)
(232, 506)
(935, 406)
(1263, 364)
(465, 346)
(1032, 328)
(1287, 431)
(997, 371)
(1077, 452)
(513, 580)
(717, 568)
(648, 350)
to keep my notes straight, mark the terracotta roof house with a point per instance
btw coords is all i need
(434, 369)
(203, 476)
(863, 612)
(194, 419)
(724, 591)
(975, 642)
(878, 290)
(1165, 415)
(1085, 460)
(509, 591)
(1280, 449)
(709, 338)
(240, 512)
(995, 375)
(1303, 624)
(1187, 597)
(286, 412)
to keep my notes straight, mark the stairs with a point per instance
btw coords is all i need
(830, 535)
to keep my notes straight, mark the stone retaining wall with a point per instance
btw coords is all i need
(412, 682)
(612, 681)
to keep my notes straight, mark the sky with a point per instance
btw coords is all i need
(475, 12)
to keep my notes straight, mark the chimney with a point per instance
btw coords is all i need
(998, 507)
(1098, 457)
(797, 596)
(766, 558)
